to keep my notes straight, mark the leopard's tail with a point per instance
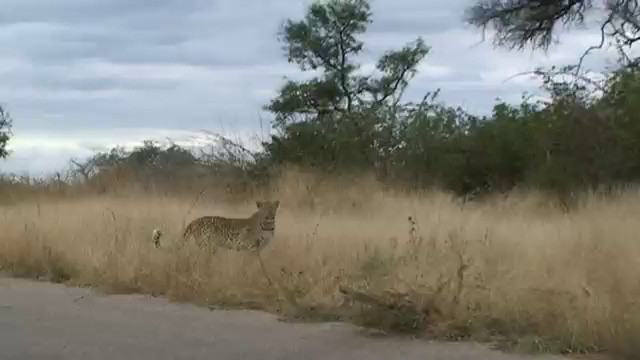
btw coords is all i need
(156, 236)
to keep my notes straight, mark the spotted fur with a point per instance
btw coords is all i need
(241, 234)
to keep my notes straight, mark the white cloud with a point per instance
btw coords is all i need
(427, 70)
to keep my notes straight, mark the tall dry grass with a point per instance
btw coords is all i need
(515, 269)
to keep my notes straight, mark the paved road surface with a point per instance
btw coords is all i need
(45, 322)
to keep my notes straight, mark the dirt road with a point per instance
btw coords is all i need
(46, 321)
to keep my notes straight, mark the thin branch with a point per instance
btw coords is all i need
(594, 47)
(344, 81)
(395, 86)
(556, 73)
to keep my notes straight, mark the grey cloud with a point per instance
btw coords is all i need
(65, 11)
(57, 79)
(416, 17)
(193, 31)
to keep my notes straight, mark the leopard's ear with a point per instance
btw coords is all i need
(259, 204)
(276, 203)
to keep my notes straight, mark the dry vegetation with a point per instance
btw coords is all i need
(515, 269)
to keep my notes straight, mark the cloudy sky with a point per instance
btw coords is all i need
(83, 75)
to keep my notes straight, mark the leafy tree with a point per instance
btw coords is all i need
(5, 131)
(339, 116)
(150, 159)
(428, 151)
(587, 135)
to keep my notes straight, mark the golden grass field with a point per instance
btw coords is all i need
(516, 269)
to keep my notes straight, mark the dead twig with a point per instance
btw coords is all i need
(264, 269)
(192, 206)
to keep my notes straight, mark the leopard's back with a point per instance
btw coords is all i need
(214, 231)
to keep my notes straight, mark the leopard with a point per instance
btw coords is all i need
(240, 234)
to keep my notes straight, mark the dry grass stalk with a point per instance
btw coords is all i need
(519, 268)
